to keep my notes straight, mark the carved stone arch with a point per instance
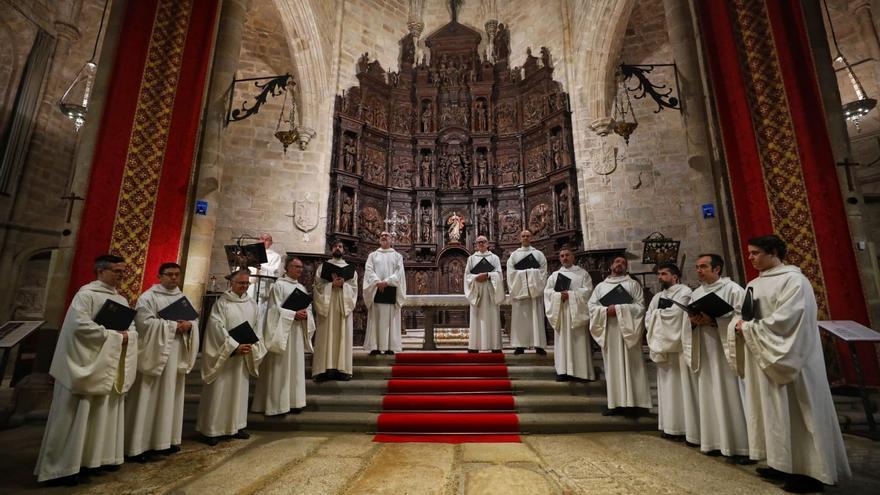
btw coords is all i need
(310, 71)
(603, 26)
(31, 274)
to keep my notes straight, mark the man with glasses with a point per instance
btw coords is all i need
(227, 364)
(93, 368)
(484, 289)
(167, 352)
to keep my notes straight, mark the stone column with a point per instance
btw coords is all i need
(840, 146)
(227, 49)
(704, 184)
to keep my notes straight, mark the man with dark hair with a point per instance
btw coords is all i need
(281, 387)
(665, 322)
(792, 422)
(722, 421)
(93, 368)
(167, 352)
(618, 329)
(384, 274)
(334, 303)
(227, 365)
(566, 309)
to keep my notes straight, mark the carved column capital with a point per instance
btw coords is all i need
(602, 126)
(67, 32)
(859, 6)
(304, 135)
(491, 27)
(415, 28)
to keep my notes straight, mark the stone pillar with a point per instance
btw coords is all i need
(705, 186)
(861, 10)
(840, 146)
(227, 49)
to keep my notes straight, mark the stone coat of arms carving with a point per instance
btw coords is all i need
(305, 214)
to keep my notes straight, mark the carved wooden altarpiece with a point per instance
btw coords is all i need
(451, 139)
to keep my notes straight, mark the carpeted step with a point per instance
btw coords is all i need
(447, 438)
(448, 402)
(445, 422)
(429, 386)
(458, 371)
(447, 358)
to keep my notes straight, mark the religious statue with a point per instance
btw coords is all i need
(346, 210)
(426, 224)
(456, 227)
(455, 271)
(350, 155)
(426, 170)
(421, 282)
(427, 117)
(482, 170)
(501, 48)
(556, 151)
(545, 57)
(455, 175)
(483, 220)
(539, 221)
(408, 49)
(480, 122)
(510, 226)
(363, 62)
(562, 215)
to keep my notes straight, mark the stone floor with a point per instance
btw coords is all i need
(331, 463)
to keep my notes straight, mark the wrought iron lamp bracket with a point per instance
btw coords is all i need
(274, 86)
(660, 93)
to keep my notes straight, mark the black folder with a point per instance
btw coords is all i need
(328, 269)
(664, 303)
(386, 296)
(711, 304)
(244, 334)
(528, 262)
(179, 310)
(297, 300)
(482, 267)
(563, 283)
(617, 295)
(115, 316)
(750, 306)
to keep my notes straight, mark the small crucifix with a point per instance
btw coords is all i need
(71, 198)
(393, 222)
(848, 165)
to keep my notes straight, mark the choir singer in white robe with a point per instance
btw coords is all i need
(618, 329)
(268, 271)
(485, 293)
(334, 302)
(791, 417)
(93, 368)
(384, 269)
(167, 352)
(722, 421)
(281, 386)
(567, 312)
(228, 365)
(527, 298)
(677, 405)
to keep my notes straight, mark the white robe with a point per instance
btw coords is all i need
(526, 299)
(273, 267)
(620, 338)
(154, 412)
(282, 382)
(677, 392)
(791, 417)
(722, 421)
(485, 299)
(334, 336)
(383, 320)
(93, 370)
(223, 405)
(570, 320)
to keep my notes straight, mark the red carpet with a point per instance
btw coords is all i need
(457, 371)
(448, 398)
(446, 402)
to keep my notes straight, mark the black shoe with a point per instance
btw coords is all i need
(296, 410)
(563, 378)
(713, 453)
(389, 352)
(691, 444)
(540, 351)
(799, 483)
(241, 435)
(769, 473)
(519, 350)
(111, 468)
(211, 441)
(741, 460)
(472, 351)
(610, 412)
(320, 377)
(142, 458)
(72, 480)
(496, 351)
(375, 352)
(170, 450)
(343, 377)
(673, 438)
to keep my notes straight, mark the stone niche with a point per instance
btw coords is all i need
(451, 147)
